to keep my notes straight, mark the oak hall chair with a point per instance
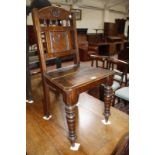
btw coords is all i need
(56, 29)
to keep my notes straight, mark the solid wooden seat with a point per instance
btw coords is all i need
(60, 40)
(70, 77)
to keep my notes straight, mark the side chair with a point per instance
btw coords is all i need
(58, 27)
(121, 75)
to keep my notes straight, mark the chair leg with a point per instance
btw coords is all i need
(101, 92)
(29, 98)
(113, 99)
(70, 116)
(108, 97)
(46, 102)
(92, 62)
(70, 99)
(96, 63)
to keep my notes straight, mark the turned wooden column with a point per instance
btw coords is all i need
(70, 116)
(71, 98)
(108, 92)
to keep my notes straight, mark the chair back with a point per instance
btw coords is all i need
(56, 34)
(121, 66)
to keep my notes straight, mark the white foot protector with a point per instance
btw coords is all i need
(47, 118)
(106, 123)
(77, 104)
(29, 101)
(76, 147)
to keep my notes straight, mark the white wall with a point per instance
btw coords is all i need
(91, 19)
(114, 15)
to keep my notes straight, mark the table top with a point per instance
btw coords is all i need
(49, 137)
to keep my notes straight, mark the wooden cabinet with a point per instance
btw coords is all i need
(110, 29)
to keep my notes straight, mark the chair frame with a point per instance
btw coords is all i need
(60, 79)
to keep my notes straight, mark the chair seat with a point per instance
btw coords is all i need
(123, 93)
(115, 85)
(76, 76)
(119, 78)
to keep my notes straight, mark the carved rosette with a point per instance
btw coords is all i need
(55, 12)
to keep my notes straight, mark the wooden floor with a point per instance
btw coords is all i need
(50, 137)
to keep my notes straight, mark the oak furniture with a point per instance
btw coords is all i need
(97, 58)
(61, 40)
(110, 48)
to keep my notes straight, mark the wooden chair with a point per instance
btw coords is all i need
(121, 69)
(120, 77)
(97, 58)
(60, 38)
(122, 94)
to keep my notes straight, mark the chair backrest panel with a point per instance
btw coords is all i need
(53, 13)
(56, 33)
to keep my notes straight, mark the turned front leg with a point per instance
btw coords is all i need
(70, 116)
(108, 92)
(71, 98)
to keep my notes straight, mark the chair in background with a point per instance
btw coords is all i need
(121, 69)
(99, 58)
(58, 28)
(120, 77)
(122, 94)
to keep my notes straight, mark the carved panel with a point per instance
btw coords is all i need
(60, 41)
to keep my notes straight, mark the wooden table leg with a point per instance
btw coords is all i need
(108, 92)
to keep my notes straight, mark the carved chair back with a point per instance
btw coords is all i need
(56, 34)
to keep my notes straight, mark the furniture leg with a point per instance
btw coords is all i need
(71, 98)
(108, 92)
(28, 86)
(46, 101)
(70, 116)
(101, 92)
(28, 76)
